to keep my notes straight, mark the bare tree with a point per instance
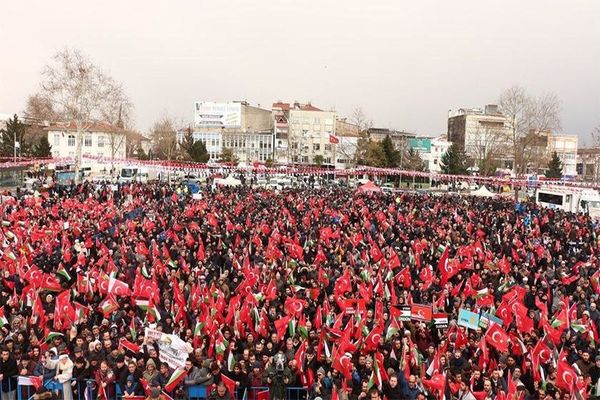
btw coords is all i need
(596, 146)
(164, 138)
(488, 148)
(528, 120)
(362, 124)
(40, 109)
(80, 93)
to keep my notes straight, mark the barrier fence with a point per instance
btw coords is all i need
(22, 388)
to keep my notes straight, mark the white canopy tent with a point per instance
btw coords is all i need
(229, 181)
(482, 192)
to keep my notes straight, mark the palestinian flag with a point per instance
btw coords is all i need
(292, 327)
(147, 306)
(52, 335)
(481, 293)
(145, 272)
(198, 328)
(3, 320)
(63, 272)
(221, 344)
(230, 361)
(175, 379)
(108, 305)
(132, 329)
(393, 329)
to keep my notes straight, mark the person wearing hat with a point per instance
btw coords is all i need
(105, 379)
(323, 386)
(151, 372)
(81, 373)
(155, 391)
(64, 373)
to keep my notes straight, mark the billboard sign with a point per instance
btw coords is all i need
(420, 145)
(209, 114)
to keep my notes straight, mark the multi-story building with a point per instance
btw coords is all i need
(348, 135)
(588, 164)
(281, 115)
(481, 133)
(311, 135)
(431, 150)
(99, 139)
(565, 147)
(245, 129)
(399, 138)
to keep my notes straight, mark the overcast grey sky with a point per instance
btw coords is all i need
(404, 62)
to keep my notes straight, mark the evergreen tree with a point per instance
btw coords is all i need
(43, 148)
(454, 161)
(371, 153)
(319, 160)
(555, 167)
(392, 156)
(15, 130)
(228, 156)
(198, 152)
(414, 161)
(187, 142)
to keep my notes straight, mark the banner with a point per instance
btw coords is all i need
(172, 349)
(421, 312)
(485, 319)
(468, 319)
(440, 320)
(405, 313)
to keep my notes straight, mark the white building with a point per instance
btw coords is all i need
(99, 139)
(565, 147)
(311, 135)
(481, 132)
(245, 129)
(431, 150)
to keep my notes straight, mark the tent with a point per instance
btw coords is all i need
(369, 187)
(482, 192)
(229, 181)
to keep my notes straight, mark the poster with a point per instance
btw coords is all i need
(172, 349)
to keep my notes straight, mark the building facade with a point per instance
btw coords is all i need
(99, 140)
(311, 135)
(588, 164)
(245, 129)
(431, 150)
(565, 147)
(482, 133)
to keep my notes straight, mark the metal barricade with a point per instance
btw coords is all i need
(297, 393)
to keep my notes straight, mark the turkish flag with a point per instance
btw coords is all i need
(447, 269)
(372, 340)
(566, 377)
(293, 306)
(343, 364)
(497, 337)
(421, 312)
(437, 382)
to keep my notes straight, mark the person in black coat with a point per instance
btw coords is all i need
(8, 372)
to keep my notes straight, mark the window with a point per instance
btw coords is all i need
(550, 198)
(305, 159)
(435, 161)
(100, 141)
(71, 141)
(316, 146)
(56, 139)
(87, 142)
(294, 146)
(328, 147)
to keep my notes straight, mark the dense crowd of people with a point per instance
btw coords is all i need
(326, 290)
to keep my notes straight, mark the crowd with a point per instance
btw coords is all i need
(327, 290)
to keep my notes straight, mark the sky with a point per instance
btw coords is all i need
(404, 63)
